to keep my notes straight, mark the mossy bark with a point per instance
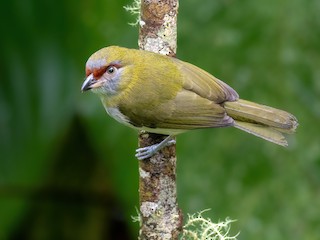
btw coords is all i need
(159, 212)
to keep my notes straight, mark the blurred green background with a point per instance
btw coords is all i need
(67, 170)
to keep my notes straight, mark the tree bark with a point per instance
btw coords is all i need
(159, 213)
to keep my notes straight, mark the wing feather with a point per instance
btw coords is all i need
(191, 111)
(204, 84)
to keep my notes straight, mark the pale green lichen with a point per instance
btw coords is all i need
(136, 218)
(134, 9)
(200, 228)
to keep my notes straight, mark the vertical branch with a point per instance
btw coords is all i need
(158, 26)
(160, 215)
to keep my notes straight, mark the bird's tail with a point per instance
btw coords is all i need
(262, 121)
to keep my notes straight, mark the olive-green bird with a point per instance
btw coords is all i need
(160, 94)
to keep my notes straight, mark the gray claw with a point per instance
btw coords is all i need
(146, 152)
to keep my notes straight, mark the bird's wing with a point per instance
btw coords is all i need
(204, 84)
(189, 111)
(196, 105)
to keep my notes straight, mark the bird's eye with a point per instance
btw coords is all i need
(111, 69)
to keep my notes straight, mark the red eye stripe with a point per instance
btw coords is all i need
(98, 72)
(88, 72)
(115, 64)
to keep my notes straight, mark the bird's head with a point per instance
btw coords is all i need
(104, 70)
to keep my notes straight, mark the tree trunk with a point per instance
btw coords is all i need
(159, 212)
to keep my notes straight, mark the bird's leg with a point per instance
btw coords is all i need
(146, 152)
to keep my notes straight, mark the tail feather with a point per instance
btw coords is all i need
(262, 121)
(268, 133)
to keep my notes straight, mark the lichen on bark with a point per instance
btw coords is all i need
(160, 217)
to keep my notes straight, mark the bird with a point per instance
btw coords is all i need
(161, 94)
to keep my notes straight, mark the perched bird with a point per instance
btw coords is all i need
(161, 94)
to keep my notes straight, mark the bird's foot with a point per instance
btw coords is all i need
(146, 152)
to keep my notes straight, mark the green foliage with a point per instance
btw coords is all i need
(67, 171)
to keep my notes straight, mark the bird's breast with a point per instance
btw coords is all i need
(117, 115)
(121, 118)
